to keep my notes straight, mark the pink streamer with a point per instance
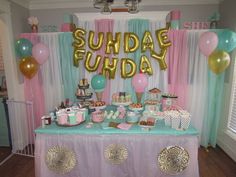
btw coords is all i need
(33, 88)
(104, 25)
(177, 59)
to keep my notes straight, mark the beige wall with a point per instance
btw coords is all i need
(19, 16)
(188, 13)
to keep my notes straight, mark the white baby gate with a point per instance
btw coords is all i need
(22, 125)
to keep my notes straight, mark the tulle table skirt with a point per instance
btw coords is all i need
(95, 155)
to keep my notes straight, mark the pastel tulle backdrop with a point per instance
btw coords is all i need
(208, 42)
(40, 52)
(23, 48)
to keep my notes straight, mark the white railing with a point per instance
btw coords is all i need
(22, 125)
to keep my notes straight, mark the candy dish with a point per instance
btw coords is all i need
(136, 107)
(98, 116)
(132, 117)
(147, 123)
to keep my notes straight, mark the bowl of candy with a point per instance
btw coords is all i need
(147, 123)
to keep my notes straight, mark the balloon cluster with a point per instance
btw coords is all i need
(216, 46)
(30, 56)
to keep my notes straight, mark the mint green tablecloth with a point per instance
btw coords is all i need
(159, 129)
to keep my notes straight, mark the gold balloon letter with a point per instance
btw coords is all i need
(132, 68)
(147, 42)
(78, 55)
(109, 67)
(113, 43)
(145, 65)
(88, 61)
(162, 38)
(79, 39)
(127, 38)
(99, 40)
(160, 58)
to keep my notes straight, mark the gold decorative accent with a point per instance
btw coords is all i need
(60, 159)
(173, 160)
(116, 153)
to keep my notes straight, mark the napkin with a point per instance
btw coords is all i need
(124, 126)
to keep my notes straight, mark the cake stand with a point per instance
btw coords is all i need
(84, 98)
(98, 107)
(136, 109)
(121, 106)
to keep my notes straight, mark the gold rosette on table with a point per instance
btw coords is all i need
(173, 160)
(116, 153)
(60, 159)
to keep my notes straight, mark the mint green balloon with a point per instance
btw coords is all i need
(98, 83)
(23, 48)
(227, 40)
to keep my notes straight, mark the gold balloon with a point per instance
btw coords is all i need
(162, 38)
(135, 42)
(145, 65)
(79, 39)
(78, 55)
(147, 42)
(218, 61)
(100, 40)
(125, 73)
(28, 66)
(160, 58)
(88, 61)
(109, 67)
(113, 43)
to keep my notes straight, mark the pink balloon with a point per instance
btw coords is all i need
(139, 82)
(208, 42)
(40, 52)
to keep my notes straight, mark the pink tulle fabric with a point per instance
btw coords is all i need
(33, 87)
(104, 25)
(177, 58)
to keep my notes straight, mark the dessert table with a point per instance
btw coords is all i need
(111, 152)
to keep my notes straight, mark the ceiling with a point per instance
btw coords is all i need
(52, 4)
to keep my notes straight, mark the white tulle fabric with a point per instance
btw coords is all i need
(159, 77)
(82, 72)
(51, 72)
(198, 81)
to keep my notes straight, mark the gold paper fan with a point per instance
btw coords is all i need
(173, 160)
(116, 153)
(60, 159)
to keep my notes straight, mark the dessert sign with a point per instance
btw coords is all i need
(113, 44)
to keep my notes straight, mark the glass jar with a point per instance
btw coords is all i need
(168, 101)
